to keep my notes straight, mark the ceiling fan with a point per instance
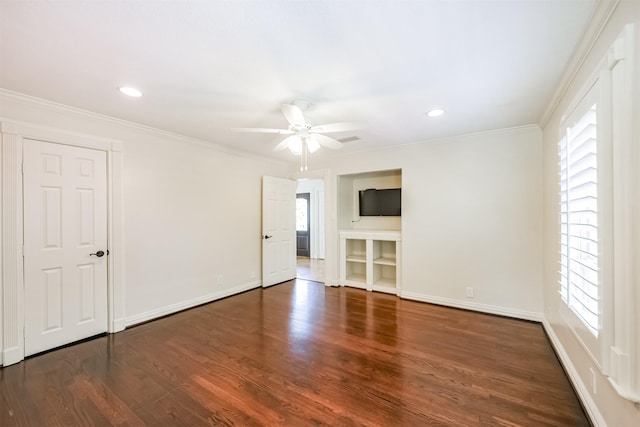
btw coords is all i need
(304, 138)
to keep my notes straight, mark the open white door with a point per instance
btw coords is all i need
(65, 244)
(278, 230)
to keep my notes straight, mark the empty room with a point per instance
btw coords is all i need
(320, 212)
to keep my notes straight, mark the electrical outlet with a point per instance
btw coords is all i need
(593, 380)
(220, 279)
(469, 292)
(253, 275)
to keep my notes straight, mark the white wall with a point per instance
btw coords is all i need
(192, 211)
(471, 216)
(605, 406)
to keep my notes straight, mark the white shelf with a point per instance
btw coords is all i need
(370, 259)
(383, 261)
(388, 235)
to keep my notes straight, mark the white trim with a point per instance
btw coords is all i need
(158, 133)
(571, 320)
(580, 387)
(332, 283)
(634, 398)
(623, 343)
(12, 285)
(50, 134)
(115, 241)
(516, 130)
(12, 355)
(483, 308)
(184, 305)
(599, 20)
(593, 79)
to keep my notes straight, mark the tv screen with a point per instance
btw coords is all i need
(380, 202)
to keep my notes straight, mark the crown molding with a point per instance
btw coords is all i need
(516, 130)
(47, 133)
(151, 131)
(599, 20)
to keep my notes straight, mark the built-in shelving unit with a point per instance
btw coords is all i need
(369, 245)
(356, 260)
(370, 259)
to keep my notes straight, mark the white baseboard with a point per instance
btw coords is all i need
(118, 325)
(580, 387)
(174, 308)
(11, 356)
(483, 308)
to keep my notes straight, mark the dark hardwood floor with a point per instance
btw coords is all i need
(300, 354)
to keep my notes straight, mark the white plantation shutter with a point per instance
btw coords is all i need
(564, 220)
(579, 267)
(598, 213)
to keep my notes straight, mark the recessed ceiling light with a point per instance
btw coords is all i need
(130, 91)
(436, 112)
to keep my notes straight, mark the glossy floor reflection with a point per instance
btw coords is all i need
(300, 354)
(310, 269)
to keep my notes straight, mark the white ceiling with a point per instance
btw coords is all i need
(208, 66)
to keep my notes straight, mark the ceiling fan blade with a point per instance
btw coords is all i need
(336, 127)
(285, 142)
(294, 115)
(264, 130)
(334, 144)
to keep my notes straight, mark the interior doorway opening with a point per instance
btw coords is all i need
(310, 229)
(303, 225)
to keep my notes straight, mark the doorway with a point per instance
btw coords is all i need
(65, 239)
(303, 225)
(310, 229)
(15, 243)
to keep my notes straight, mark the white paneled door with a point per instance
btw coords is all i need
(65, 244)
(278, 230)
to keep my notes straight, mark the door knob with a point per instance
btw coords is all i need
(267, 236)
(99, 254)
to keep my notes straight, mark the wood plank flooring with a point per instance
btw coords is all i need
(310, 269)
(300, 354)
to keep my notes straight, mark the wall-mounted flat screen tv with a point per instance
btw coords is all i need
(385, 202)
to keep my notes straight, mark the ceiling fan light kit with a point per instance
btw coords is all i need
(304, 138)
(294, 144)
(312, 144)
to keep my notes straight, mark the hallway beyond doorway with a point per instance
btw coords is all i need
(310, 269)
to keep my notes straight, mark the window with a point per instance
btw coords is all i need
(585, 216)
(579, 264)
(302, 210)
(599, 199)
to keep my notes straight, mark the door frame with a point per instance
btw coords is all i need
(308, 199)
(330, 220)
(12, 134)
